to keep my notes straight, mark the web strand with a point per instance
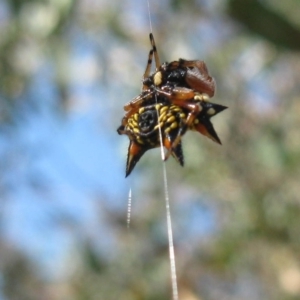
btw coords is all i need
(129, 209)
(166, 193)
(149, 15)
(170, 237)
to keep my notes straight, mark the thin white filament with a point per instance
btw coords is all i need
(168, 213)
(129, 209)
(149, 15)
(169, 220)
(162, 152)
(170, 237)
(166, 191)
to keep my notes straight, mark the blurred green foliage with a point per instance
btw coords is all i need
(251, 183)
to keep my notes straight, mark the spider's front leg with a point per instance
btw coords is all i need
(147, 70)
(134, 105)
(152, 52)
(182, 97)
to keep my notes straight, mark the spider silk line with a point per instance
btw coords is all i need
(160, 135)
(149, 15)
(129, 208)
(167, 200)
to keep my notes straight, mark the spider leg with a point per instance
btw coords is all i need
(182, 97)
(195, 109)
(156, 57)
(176, 151)
(135, 105)
(148, 69)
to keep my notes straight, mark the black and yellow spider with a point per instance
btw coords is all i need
(184, 85)
(143, 128)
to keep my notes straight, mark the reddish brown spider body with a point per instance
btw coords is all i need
(184, 74)
(184, 85)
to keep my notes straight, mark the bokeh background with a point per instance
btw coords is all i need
(66, 70)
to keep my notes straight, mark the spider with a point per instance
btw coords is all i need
(184, 84)
(143, 128)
